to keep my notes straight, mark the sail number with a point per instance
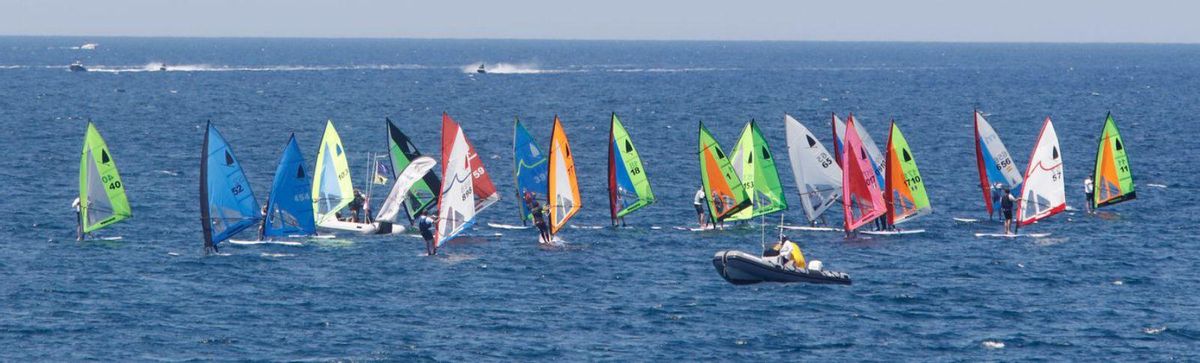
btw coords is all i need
(237, 189)
(825, 160)
(111, 182)
(635, 171)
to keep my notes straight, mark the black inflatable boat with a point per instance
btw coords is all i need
(740, 268)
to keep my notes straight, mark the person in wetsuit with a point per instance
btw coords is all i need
(426, 224)
(539, 219)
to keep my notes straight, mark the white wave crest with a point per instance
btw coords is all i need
(161, 67)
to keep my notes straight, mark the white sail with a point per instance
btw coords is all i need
(839, 127)
(818, 176)
(415, 170)
(1000, 156)
(1044, 192)
(456, 204)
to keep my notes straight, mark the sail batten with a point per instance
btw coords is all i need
(628, 185)
(818, 176)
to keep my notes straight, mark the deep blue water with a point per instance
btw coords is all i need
(1121, 285)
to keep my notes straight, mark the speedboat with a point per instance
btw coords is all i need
(162, 67)
(89, 46)
(77, 67)
(740, 268)
(481, 69)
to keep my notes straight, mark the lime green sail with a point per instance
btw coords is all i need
(628, 185)
(1113, 179)
(722, 188)
(755, 166)
(102, 200)
(904, 190)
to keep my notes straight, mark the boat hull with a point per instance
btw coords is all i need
(349, 226)
(740, 268)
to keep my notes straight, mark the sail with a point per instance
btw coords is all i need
(531, 170)
(628, 185)
(102, 199)
(227, 204)
(485, 191)
(862, 201)
(995, 164)
(457, 199)
(564, 188)
(755, 167)
(876, 157)
(1044, 193)
(332, 189)
(818, 176)
(1114, 181)
(401, 152)
(722, 189)
(401, 190)
(289, 206)
(904, 190)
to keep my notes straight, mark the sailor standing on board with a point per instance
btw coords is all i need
(539, 219)
(698, 202)
(425, 225)
(78, 220)
(1006, 208)
(1089, 191)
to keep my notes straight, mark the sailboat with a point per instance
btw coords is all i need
(466, 187)
(995, 164)
(755, 167)
(628, 185)
(530, 169)
(401, 152)
(876, 157)
(563, 187)
(1114, 180)
(227, 204)
(862, 202)
(414, 174)
(1043, 193)
(102, 199)
(904, 190)
(332, 189)
(818, 176)
(289, 206)
(723, 190)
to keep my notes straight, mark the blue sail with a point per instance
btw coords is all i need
(624, 182)
(290, 207)
(532, 170)
(227, 204)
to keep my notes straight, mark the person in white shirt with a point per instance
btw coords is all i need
(698, 201)
(1089, 191)
(78, 219)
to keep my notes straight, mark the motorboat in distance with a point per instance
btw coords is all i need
(77, 67)
(481, 69)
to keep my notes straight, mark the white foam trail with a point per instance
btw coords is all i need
(510, 68)
(1154, 330)
(157, 67)
(670, 70)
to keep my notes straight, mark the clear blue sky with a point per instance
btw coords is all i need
(1160, 21)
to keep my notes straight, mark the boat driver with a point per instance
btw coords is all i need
(789, 253)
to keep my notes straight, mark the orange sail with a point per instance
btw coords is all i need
(564, 188)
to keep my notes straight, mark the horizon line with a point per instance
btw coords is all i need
(360, 37)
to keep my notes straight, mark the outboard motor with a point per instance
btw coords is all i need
(815, 265)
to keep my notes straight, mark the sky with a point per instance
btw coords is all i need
(1135, 21)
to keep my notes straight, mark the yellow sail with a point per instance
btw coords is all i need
(564, 189)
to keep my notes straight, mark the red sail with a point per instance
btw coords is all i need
(862, 201)
(485, 191)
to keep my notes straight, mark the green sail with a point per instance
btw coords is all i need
(904, 190)
(629, 187)
(755, 166)
(1113, 178)
(102, 200)
(401, 151)
(722, 188)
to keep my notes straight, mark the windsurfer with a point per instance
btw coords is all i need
(1006, 208)
(425, 225)
(1089, 191)
(698, 202)
(539, 219)
(78, 220)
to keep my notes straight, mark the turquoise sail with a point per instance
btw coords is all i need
(532, 170)
(290, 207)
(227, 204)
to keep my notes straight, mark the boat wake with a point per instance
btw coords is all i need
(161, 67)
(509, 68)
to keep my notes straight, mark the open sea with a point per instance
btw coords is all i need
(1121, 285)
